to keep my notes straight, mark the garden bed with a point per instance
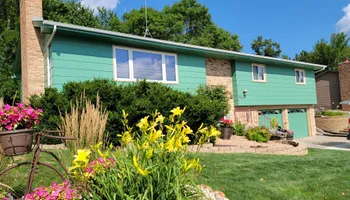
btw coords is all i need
(239, 144)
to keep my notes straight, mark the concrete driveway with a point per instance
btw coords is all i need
(326, 142)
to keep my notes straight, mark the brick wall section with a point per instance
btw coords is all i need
(219, 73)
(247, 115)
(311, 120)
(344, 81)
(32, 65)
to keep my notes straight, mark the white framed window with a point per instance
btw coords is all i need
(131, 64)
(300, 76)
(258, 72)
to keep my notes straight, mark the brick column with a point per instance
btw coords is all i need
(32, 59)
(344, 82)
(219, 74)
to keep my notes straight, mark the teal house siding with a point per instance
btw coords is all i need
(191, 73)
(279, 89)
(75, 59)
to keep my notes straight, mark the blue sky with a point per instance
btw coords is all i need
(296, 25)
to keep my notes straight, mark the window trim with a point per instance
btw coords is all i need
(259, 65)
(131, 65)
(295, 77)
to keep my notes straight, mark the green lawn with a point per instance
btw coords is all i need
(323, 174)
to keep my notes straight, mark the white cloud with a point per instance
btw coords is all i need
(108, 4)
(343, 25)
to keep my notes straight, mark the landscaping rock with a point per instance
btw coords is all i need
(210, 194)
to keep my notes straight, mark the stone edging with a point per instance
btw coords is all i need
(272, 148)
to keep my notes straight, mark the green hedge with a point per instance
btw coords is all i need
(139, 99)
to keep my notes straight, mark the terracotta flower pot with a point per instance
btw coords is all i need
(16, 142)
(226, 133)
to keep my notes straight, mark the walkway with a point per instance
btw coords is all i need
(326, 142)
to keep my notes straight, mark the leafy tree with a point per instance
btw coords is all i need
(70, 11)
(328, 53)
(266, 47)
(9, 34)
(286, 57)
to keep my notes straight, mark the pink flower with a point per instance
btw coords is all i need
(20, 105)
(2, 113)
(7, 107)
(9, 127)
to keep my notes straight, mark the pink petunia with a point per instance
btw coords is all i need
(7, 107)
(9, 127)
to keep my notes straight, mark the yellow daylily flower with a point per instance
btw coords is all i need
(126, 138)
(177, 111)
(82, 156)
(160, 119)
(143, 124)
(138, 168)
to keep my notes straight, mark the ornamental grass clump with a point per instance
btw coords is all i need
(151, 163)
(87, 122)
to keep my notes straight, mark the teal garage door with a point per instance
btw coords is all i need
(266, 115)
(297, 118)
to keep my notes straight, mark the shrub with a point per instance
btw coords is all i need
(239, 128)
(53, 103)
(259, 134)
(87, 124)
(149, 166)
(332, 113)
(139, 99)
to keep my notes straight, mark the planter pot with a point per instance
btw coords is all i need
(274, 137)
(226, 133)
(16, 142)
(290, 138)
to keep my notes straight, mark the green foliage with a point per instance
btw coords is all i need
(151, 166)
(266, 47)
(239, 128)
(273, 122)
(138, 99)
(9, 34)
(328, 53)
(332, 113)
(259, 134)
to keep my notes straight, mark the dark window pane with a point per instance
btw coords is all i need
(122, 58)
(170, 68)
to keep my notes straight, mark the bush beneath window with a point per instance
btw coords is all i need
(140, 99)
(259, 134)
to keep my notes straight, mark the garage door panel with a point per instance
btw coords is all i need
(298, 123)
(266, 115)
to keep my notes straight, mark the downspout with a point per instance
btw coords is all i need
(47, 45)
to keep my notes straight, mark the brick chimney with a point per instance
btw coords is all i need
(344, 82)
(32, 65)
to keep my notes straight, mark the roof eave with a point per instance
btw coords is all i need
(39, 22)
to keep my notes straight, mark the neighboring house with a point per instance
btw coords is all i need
(344, 81)
(258, 87)
(328, 90)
